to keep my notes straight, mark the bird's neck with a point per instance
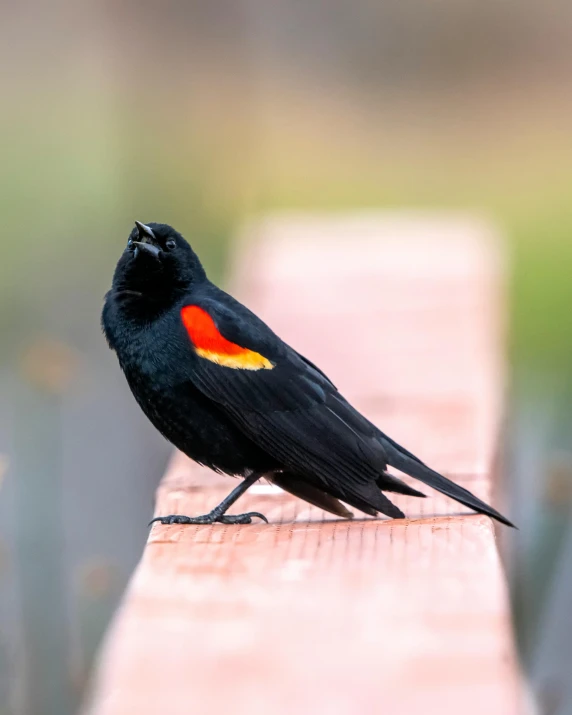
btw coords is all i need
(139, 309)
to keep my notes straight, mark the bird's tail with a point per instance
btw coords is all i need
(406, 462)
(299, 487)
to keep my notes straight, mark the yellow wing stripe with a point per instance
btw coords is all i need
(247, 360)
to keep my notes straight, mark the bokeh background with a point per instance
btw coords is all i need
(203, 114)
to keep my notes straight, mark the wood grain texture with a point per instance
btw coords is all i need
(311, 614)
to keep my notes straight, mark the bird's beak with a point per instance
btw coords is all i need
(147, 241)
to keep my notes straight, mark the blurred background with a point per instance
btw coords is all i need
(203, 114)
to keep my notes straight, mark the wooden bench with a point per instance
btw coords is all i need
(311, 614)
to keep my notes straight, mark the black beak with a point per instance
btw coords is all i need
(147, 241)
(145, 233)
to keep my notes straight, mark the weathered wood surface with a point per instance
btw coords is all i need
(310, 614)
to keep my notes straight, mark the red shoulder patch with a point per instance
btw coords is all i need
(211, 345)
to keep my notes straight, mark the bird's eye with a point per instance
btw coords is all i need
(130, 243)
(170, 244)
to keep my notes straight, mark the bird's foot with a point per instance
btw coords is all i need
(211, 518)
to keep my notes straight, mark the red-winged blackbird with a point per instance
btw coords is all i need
(230, 394)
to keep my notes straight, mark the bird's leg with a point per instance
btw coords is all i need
(218, 513)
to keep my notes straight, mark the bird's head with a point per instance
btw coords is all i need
(157, 263)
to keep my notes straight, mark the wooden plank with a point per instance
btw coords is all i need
(310, 614)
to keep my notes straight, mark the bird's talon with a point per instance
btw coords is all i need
(259, 515)
(172, 519)
(241, 518)
(209, 519)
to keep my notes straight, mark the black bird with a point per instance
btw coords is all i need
(224, 389)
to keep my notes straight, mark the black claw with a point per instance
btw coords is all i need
(172, 519)
(259, 515)
(240, 518)
(234, 519)
(209, 518)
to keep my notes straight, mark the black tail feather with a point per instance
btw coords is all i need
(296, 485)
(368, 498)
(390, 483)
(405, 462)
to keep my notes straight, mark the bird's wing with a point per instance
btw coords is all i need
(285, 404)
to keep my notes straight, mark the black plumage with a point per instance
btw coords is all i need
(238, 399)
